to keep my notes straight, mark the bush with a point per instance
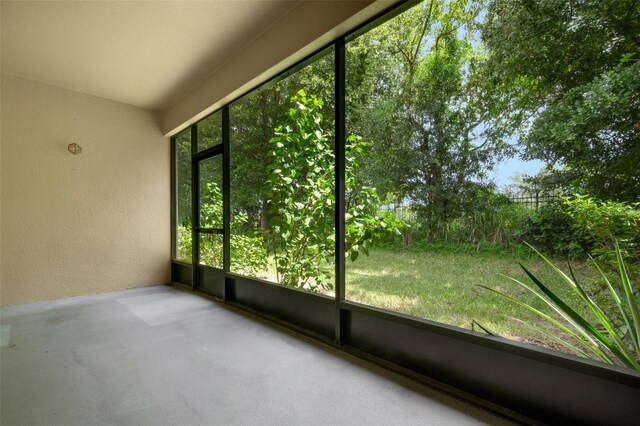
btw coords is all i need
(489, 218)
(602, 222)
(248, 255)
(551, 229)
(302, 203)
(486, 218)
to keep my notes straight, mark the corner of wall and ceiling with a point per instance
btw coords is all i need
(263, 58)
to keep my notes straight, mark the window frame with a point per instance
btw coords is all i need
(513, 378)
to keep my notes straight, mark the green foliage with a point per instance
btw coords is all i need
(211, 206)
(559, 44)
(301, 199)
(552, 229)
(493, 218)
(576, 100)
(572, 227)
(612, 336)
(487, 218)
(183, 208)
(415, 93)
(365, 223)
(252, 121)
(183, 175)
(210, 131)
(248, 255)
(594, 130)
(602, 222)
(184, 246)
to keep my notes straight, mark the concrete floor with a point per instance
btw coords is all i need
(159, 355)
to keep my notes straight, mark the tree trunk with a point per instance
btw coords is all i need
(265, 218)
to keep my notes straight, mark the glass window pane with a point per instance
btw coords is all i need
(477, 123)
(211, 192)
(211, 250)
(210, 131)
(282, 174)
(183, 199)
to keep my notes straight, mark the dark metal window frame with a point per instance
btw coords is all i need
(522, 379)
(198, 275)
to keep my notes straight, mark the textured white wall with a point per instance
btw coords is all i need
(88, 223)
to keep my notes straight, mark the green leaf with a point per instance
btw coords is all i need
(631, 300)
(593, 348)
(486, 330)
(585, 325)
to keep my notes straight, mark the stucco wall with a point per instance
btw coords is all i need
(307, 27)
(82, 224)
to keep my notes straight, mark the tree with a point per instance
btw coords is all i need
(252, 122)
(183, 159)
(301, 199)
(417, 96)
(577, 101)
(183, 201)
(594, 130)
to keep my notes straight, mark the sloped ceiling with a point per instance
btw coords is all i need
(147, 54)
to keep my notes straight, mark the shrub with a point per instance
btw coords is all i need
(601, 222)
(488, 218)
(301, 199)
(551, 229)
(248, 255)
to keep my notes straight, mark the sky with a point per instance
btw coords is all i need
(508, 168)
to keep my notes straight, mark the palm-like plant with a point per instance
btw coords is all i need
(600, 338)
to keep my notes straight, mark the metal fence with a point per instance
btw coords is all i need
(533, 202)
(402, 212)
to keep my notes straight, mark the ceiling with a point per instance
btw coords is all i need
(147, 54)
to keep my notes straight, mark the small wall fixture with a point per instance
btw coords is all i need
(74, 148)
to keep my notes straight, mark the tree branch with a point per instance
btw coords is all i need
(424, 30)
(444, 34)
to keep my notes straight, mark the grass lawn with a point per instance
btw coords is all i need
(442, 286)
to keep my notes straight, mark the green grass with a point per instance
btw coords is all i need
(440, 282)
(442, 286)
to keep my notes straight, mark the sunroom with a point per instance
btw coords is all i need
(285, 212)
